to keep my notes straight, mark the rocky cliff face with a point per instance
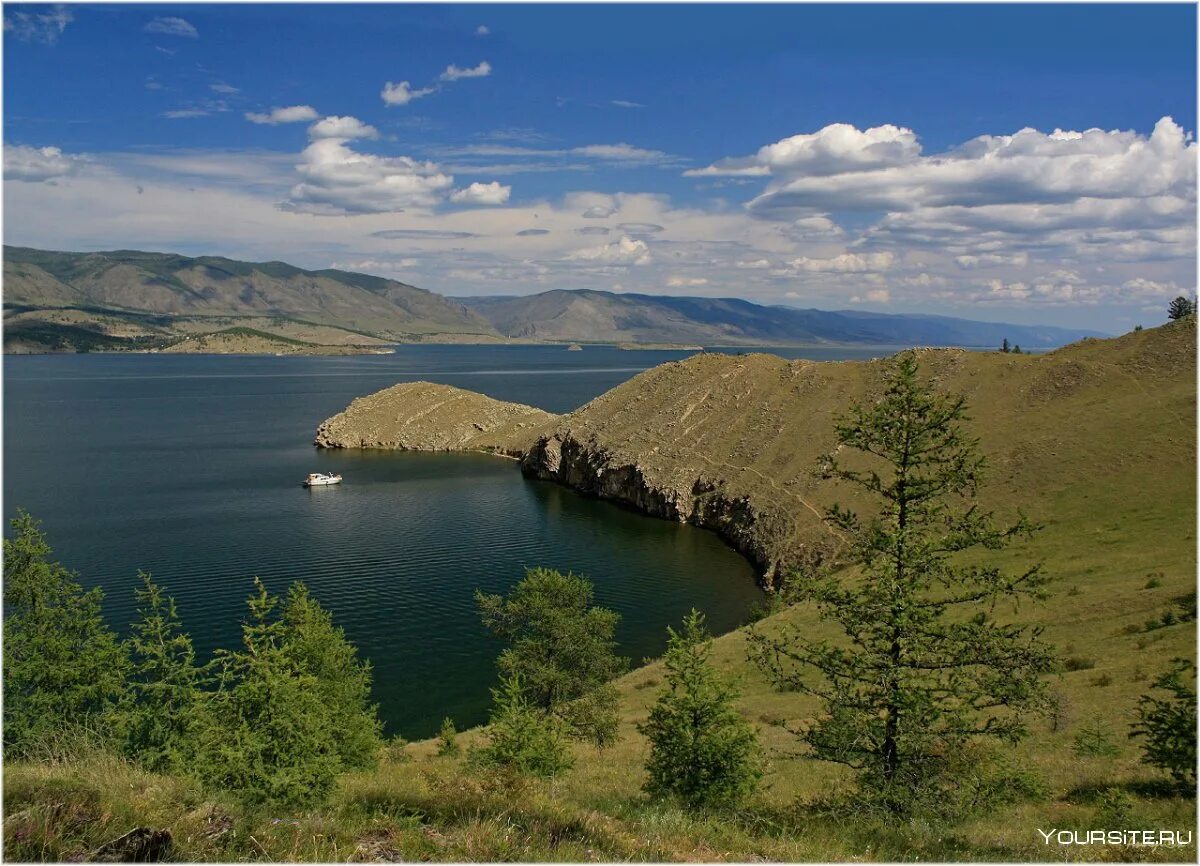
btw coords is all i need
(761, 534)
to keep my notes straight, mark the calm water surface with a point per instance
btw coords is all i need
(189, 467)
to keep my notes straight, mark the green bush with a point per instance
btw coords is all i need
(701, 749)
(269, 737)
(315, 647)
(522, 738)
(1094, 740)
(561, 648)
(448, 739)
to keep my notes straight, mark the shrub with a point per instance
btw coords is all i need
(1114, 808)
(1094, 740)
(522, 738)
(1078, 663)
(1167, 725)
(315, 647)
(1060, 709)
(561, 649)
(448, 739)
(701, 750)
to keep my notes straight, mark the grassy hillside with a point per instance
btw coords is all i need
(181, 286)
(732, 442)
(592, 316)
(1096, 441)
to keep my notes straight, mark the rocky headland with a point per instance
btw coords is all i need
(424, 416)
(734, 442)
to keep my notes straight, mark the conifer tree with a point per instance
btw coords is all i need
(561, 648)
(1167, 725)
(270, 737)
(164, 684)
(922, 666)
(448, 746)
(318, 648)
(701, 749)
(63, 667)
(522, 738)
(1180, 308)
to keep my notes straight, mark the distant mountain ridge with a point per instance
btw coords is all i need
(128, 299)
(175, 285)
(596, 316)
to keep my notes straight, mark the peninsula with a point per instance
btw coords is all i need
(733, 442)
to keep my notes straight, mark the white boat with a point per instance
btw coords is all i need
(321, 479)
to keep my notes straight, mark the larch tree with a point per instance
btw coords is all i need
(270, 737)
(318, 648)
(921, 665)
(164, 684)
(702, 751)
(64, 668)
(562, 648)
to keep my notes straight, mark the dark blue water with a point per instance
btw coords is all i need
(189, 467)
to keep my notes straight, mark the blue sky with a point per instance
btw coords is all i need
(830, 156)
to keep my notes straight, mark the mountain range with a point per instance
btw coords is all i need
(127, 299)
(594, 316)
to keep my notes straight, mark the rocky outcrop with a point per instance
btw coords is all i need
(759, 533)
(423, 416)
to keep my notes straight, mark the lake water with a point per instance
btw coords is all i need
(189, 467)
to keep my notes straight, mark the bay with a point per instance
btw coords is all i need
(189, 467)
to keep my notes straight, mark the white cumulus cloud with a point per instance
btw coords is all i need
(454, 73)
(36, 164)
(626, 251)
(288, 114)
(1028, 167)
(678, 282)
(339, 180)
(482, 193)
(402, 93)
(341, 128)
(844, 263)
(835, 149)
